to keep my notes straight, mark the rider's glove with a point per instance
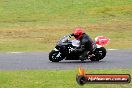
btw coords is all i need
(72, 34)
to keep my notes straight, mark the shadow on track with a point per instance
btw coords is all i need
(71, 62)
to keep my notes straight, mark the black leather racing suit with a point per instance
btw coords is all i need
(85, 46)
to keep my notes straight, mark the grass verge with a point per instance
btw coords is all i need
(55, 78)
(36, 25)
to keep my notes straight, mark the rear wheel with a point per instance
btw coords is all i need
(99, 53)
(55, 56)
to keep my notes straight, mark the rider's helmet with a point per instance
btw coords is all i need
(78, 32)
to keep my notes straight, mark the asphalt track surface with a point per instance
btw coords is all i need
(39, 61)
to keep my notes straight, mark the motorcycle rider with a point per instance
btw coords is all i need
(85, 43)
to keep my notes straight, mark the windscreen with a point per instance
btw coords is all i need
(63, 39)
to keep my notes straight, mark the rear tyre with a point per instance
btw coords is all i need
(99, 53)
(53, 56)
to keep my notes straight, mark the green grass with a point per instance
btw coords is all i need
(36, 25)
(55, 78)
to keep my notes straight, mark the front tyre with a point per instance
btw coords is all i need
(99, 53)
(55, 56)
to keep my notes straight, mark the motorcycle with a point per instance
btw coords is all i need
(65, 46)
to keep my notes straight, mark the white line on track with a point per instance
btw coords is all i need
(112, 49)
(23, 52)
(15, 52)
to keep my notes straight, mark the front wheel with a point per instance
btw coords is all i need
(99, 53)
(55, 56)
